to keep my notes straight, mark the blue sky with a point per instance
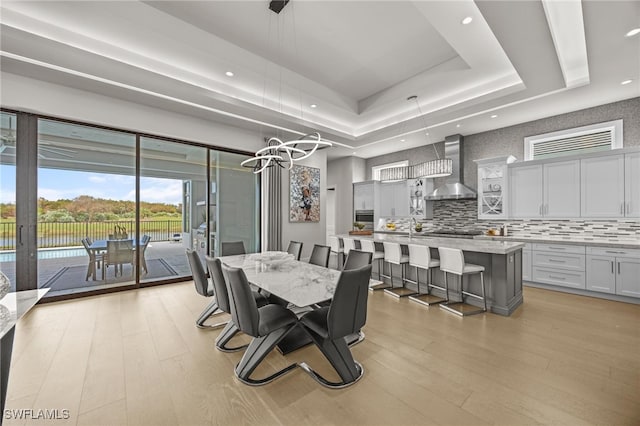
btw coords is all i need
(63, 184)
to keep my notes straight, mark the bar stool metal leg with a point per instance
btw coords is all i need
(382, 285)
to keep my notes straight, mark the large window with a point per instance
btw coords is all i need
(103, 209)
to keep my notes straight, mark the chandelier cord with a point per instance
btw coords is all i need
(424, 123)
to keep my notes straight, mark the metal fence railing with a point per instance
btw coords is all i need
(65, 234)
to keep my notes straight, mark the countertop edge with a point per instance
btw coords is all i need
(595, 243)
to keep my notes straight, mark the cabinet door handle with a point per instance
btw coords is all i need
(622, 208)
(556, 248)
(614, 252)
(557, 278)
(618, 268)
(629, 207)
(540, 210)
(556, 261)
(612, 266)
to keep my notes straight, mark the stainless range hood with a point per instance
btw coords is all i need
(453, 189)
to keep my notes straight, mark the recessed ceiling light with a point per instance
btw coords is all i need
(427, 133)
(228, 74)
(633, 32)
(458, 125)
(494, 116)
(313, 106)
(354, 153)
(401, 140)
(467, 20)
(626, 82)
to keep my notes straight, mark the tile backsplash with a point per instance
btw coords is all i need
(463, 214)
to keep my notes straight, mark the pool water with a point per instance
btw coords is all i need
(10, 256)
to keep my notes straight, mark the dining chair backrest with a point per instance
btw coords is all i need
(320, 255)
(231, 248)
(198, 273)
(348, 310)
(86, 244)
(295, 248)
(119, 251)
(244, 310)
(334, 243)
(356, 259)
(451, 260)
(220, 291)
(419, 256)
(349, 244)
(368, 246)
(392, 252)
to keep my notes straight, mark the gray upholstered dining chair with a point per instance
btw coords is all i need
(320, 255)
(231, 248)
(356, 259)
(267, 325)
(202, 287)
(295, 248)
(221, 295)
(329, 326)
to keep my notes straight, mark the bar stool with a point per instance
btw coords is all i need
(452, 262)
(336, 247)
(420, 258)
(393, 256)
(348, 244)
(370, 247)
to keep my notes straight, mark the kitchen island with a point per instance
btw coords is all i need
(502, 261)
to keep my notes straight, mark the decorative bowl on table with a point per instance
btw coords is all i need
(391, 226)
(273, 259)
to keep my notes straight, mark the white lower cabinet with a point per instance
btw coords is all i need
(559, 264)
(613, 271)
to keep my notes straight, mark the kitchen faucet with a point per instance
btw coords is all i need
(412, 223)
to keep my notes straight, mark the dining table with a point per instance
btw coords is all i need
(302, 284)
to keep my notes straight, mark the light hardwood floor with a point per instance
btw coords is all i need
(136, 358)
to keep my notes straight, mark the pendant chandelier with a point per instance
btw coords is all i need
(429, 169)
(279, 152)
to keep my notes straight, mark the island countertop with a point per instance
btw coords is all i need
(464, 244)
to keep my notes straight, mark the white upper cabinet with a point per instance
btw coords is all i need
(394, 199)
(632, 184)
(363, 198)
(602, 186)
(561, 182)
(525, 191)
(545, 190)
(493, 198)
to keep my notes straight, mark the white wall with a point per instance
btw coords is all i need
(341, 175)
(309, 233)
(27, 94)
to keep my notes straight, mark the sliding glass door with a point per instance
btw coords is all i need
(8, 231)
(173, 206)
(86, 203)
(86, 209)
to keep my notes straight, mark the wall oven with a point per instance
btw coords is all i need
(366, 217)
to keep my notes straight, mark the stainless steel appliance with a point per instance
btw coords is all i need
(366, 217)
(454, 188)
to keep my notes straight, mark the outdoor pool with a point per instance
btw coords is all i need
(10, 256)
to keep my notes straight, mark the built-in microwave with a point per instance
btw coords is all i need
(366, 217)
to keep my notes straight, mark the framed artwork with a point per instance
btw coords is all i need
(304, 194)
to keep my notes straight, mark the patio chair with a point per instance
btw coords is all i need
(144, 242)
(118, 253)
(95, 260)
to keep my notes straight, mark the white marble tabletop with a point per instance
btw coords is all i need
(15, 304)
(300, 283)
